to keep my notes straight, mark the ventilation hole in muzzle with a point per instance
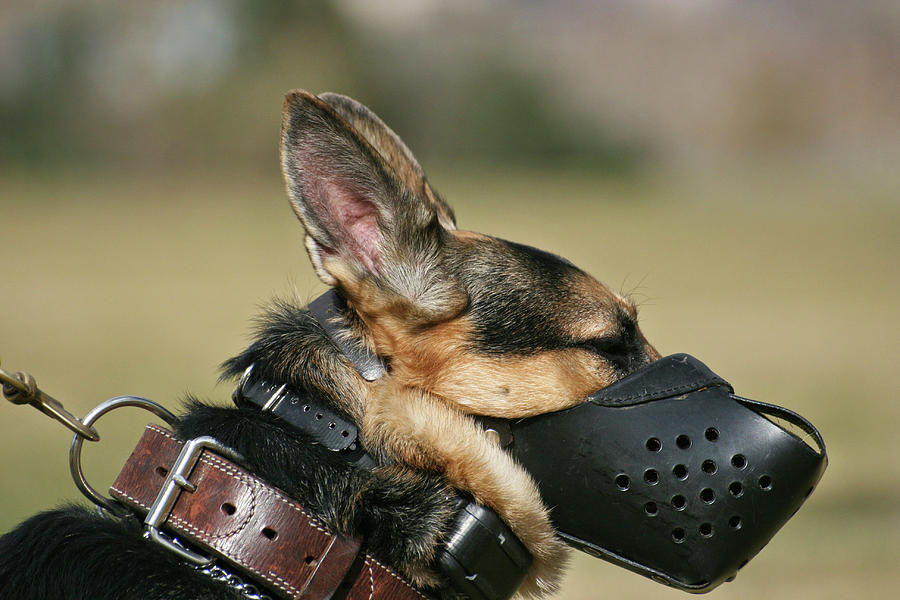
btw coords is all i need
(306, 408)
(706, 529)
(623, 482)
(709, 466)
(765, 483)
(269, 533)
(679, 502)
(228, 508)
(683, 442)
(678, 535)
(707, 495)
(651, 476)
(318, 416)
(735, 522)
(651, 509)
(736, 489)
(738, 461)
(162, 471)
(654, 445)
(680, 471)
(711, 434)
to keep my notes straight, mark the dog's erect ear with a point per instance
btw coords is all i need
(392, 150)
(368, 231)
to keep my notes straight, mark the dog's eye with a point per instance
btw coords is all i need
(608, 347)
(617, 348)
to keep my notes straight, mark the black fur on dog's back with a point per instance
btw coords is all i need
(73, 553)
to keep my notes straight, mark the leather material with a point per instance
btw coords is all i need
(670, 376)
(668, 473)
(253, 526)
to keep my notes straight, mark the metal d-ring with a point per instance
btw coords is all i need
(77, 441)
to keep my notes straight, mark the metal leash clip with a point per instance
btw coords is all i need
(21, 388)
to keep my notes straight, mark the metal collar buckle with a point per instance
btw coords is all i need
(177, 481)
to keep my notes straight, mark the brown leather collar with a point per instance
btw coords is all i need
(254, 527)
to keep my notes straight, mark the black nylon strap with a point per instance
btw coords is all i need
(328, 309)
(325, 425)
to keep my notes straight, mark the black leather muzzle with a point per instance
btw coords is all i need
(668, 473)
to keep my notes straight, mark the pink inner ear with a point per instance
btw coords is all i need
(357, 225)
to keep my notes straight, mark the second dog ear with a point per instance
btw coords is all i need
(365, 226)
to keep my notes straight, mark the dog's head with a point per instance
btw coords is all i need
(490, 326)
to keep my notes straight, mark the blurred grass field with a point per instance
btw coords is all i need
(784, 282)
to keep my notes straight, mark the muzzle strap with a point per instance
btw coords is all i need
(669, 376)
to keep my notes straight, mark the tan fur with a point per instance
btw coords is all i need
(594, 308)
(422, 432)
(519, 387)
(437, 360)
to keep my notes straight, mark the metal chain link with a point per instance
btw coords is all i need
(235, 582)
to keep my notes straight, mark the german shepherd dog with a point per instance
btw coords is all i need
(469, 324)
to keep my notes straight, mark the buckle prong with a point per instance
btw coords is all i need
(184, 483)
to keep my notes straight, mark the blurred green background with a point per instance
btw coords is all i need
(732, 165)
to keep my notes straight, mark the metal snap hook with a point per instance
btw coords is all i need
(21, 388)
(78, 440)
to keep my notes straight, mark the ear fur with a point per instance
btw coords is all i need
(369, 231)
(392, 150)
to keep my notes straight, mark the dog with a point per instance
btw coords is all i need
(469, 325)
